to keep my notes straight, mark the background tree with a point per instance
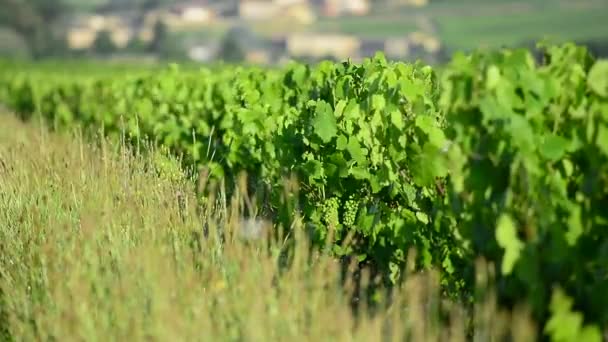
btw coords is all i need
(103, 44)
(163, 45)
(231, 48)
(160, 37)
(35, 21)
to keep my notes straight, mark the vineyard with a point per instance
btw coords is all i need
(495, 157)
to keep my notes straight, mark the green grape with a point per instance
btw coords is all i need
(330, 211)
(350, 212)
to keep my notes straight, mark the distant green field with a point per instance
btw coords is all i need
(556, 24)
(474, 23)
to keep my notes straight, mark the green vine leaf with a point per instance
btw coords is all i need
(506, 236)
(324, 123)
(598, 78)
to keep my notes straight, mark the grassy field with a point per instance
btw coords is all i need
(100, 243)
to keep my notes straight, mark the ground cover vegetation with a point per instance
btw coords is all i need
(498, 158)
(100, 242)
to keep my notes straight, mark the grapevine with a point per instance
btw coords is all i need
(523, 183)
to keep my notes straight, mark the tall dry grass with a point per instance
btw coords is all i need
(97, 245)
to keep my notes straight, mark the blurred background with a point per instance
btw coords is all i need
(274, 31)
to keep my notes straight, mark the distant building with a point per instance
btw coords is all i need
(121, 36)
(81, 38)
(334, 8)
(396, 47)
(188, 14)
(257, 10)
(413, 3)
(83, 32)
(203, 52)
(258, 56)
(146, 34)
(323, 45)
(300, 12)
(194, 11)
(429, 42)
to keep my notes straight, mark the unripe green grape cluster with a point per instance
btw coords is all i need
(350, 211)
(330, 211)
